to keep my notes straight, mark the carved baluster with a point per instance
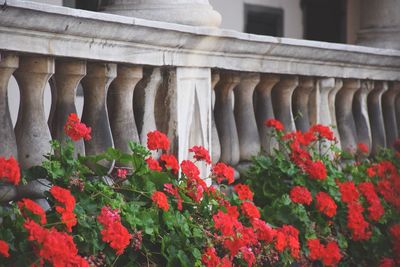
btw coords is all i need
(8, 64)
(344, 114)
(95, 85)
(360, 111)
(249, 140)
(376, 116)
(325, 86)
(264, 109)
(301, 97)
(144, 102)
(66, 79)
(282, 100)
(332, 109)
(224, 118)
(31, 130)
(120, 107)
(389, 113)
(215, 144)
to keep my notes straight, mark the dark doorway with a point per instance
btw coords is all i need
(324, 20)
(263, 20)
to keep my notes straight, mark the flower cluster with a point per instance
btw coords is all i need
(65, 206)
(329, 255)
(221, 171)
(113, 231)
(9, 170)
(4, 249)
(274, 124)
(287, 237)
(301, 195)
(157, 140)
(325, 204)
(160, 199)
(27, 205)
(75, 129)
(201, 154)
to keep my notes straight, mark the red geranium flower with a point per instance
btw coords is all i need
(160, 199)
(348, 191)
(322, 131)
(316, 170)
(66, 209)
(325, 204)
(170, 162)
(157, 140)
(173, 190)
(153, 164)
(201, 154)
(27, 204)
(4, 249)
(301, 195)
(363, 148)
(121, 173)
(76, 129)
(222, 171)
(275, 124)
(250, 210)
(244, 192)
(9, 170)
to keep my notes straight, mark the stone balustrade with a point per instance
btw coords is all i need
(201, 86)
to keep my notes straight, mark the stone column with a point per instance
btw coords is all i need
(389, 112)
(380, 24)
(215, 144)
(188, 12)
(301, 97)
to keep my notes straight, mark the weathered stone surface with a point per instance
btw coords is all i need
(249, 140)
(376, 116)
(360, 111)
(215, 144)
(95, 86)
(34, 189)
(344, 114)
(8, 193)
(8, 64)
(110, 38)
(332, 100)
(144, 102)
(120, 107)
(282, 100)
(264, 109)
(301, 97)
(67, 76)
(31, 130)
(389, 113)
(188, 12)
(225, 119)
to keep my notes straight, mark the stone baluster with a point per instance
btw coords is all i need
(376, 117)
(344, 114)
(31, 130)
(215, 144)
(332, 109)
(301, 97)
(120, 106)
(144, 99)
(264, 109)
(66, 80)
(389, 113)
(8, 64)
(95, 86)
(224, 118)
(325, 86)
(360, 111)
(282, 100)
(249, 140)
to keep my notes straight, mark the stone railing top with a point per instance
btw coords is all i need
(30, 27)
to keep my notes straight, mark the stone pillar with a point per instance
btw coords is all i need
(188, 12)
(380, 24)
(215, 144)
(301, 97)
(389, 113)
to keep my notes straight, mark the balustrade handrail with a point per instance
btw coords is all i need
(66, 32)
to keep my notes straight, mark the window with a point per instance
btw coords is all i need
(263, 20)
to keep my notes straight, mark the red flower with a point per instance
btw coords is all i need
(76, 129)
(108, 216)
(322, 131)
(58, 248)
(28, 205)
(210, 258)
(4, 249)
(190, 169)
(387, 262)
(325, 204)
(170, 162)
(222, 171)
(173, 190)
(66, 209)
(225, 223)
(157, 140)
(301, 195)
(250, 210)
(9, 170)
(248, 256)
(348, 191)
(316, 249)
(356, 222)
(263, 231)
(153, 164)
(375, 207)
(121, 173)
(244, 192)
(288, 237)
(275, 124)
(331, 255)
(160, 199)
(201, 154)
(363, 148)
(316, 170)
